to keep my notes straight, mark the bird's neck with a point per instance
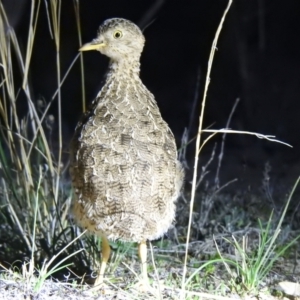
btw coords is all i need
(124, 68)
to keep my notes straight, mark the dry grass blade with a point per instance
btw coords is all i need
(55, 15)
(30, 40)
(77, 14)
(198, 140)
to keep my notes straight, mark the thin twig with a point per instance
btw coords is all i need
(268, 137)
(220, 158)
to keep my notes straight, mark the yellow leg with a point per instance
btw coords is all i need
(104, 259)
(143, 258)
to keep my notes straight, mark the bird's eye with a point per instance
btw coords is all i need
(118, 34)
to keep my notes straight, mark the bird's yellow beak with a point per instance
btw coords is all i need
(92, 46)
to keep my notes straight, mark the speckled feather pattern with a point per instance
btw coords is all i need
(124, 165)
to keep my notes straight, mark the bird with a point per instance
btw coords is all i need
(124, 164)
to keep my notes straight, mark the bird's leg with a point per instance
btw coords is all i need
(104, 259)
(143, 257)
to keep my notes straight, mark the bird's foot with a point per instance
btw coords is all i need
(143, 286)
(100, 286)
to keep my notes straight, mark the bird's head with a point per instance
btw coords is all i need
(119, 39)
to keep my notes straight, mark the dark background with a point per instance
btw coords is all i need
(257, 61)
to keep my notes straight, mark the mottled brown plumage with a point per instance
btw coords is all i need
(124, 165)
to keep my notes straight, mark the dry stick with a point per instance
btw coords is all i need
(194, 105)
(194, 182)
(209, 203)
(182, 149)
(217, 181)
(268, 137)
(187, 131)
(210, 200)
(204, 171)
